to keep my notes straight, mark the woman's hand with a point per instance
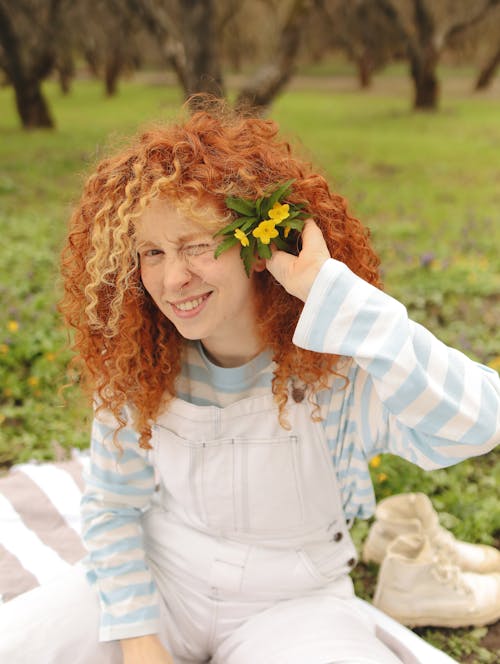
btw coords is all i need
(145, 649)
(297, 273)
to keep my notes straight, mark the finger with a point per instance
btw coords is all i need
(279, 264)
(312, 237)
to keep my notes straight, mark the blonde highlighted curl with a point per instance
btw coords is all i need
(128, 352)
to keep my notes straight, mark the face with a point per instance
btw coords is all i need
(205, 298)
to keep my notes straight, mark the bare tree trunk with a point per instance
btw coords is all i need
(425, 81)
(488, 71)
(200, 39)
(65, 73)
(365, 68)
(259, 92)
(112, 70)
(31, 105)
(26, 80)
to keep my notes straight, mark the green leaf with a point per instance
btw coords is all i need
(281, 243)
(296, 224)
(264, 250)
(282, 191)
(225, 245)
(237, 223)
(241, 205)
(248, 223)
(258, 206)
(248, 254)
(297, 214)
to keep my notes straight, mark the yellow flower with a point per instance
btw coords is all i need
(240, 235)
(4, 349)
(279, 212)
(7, 392)
(265, 231)
(50, 357)
(375, 462)
(13, 326)
(381, 477)
(33, 381)
(495, 363)
(287, 231)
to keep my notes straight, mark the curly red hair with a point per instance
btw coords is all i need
(128, 352)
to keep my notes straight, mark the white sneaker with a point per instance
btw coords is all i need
(413, 513)
(418, 587)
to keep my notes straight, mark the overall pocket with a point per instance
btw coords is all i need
(267, 485)
(235, 485)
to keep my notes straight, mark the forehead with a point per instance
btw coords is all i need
(161, 220)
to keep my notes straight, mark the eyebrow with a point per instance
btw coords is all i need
(193, 236)
(180, 240)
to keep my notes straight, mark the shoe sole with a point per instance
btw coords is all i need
(439, 621)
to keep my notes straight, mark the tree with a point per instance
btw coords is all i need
(192, 35)
(186, 32)
(28, 30)
(427, 27)
(358, 28)
(105, 32)
(259, 91)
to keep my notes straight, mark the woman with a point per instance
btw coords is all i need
(237, 405)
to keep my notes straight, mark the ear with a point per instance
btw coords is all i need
(259, 265)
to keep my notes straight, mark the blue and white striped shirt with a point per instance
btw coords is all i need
(408, 394)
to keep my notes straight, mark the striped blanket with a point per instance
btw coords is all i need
(39, 523)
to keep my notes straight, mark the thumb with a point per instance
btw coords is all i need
(280, 264)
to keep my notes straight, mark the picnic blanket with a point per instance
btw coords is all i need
(40, 532)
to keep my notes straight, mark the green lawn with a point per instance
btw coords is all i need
(427, 185)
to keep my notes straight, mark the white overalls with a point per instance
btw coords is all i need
(249, 549)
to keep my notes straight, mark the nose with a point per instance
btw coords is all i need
(176, 275)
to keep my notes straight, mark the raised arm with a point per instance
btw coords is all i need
(416, 396)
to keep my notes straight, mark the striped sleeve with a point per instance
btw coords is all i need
(119, 487)
(414, 396)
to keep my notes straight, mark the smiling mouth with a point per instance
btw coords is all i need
(192, 304)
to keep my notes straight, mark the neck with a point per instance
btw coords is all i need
(227, 357)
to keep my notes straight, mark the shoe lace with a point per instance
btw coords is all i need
(447, 573)
(445, 544)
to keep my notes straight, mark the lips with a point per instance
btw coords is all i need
(190, 306)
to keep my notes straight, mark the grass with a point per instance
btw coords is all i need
(425, 184)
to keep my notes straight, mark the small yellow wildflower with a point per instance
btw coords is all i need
(50, 357)
(265, 231)
(13, 326)
(4, 349)
(33, 381)
(287, 231)
(375, 462)
(495, 363)
(240, 235)
(279, 212)
(381, 477)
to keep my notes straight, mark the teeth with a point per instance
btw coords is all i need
(187, 306)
